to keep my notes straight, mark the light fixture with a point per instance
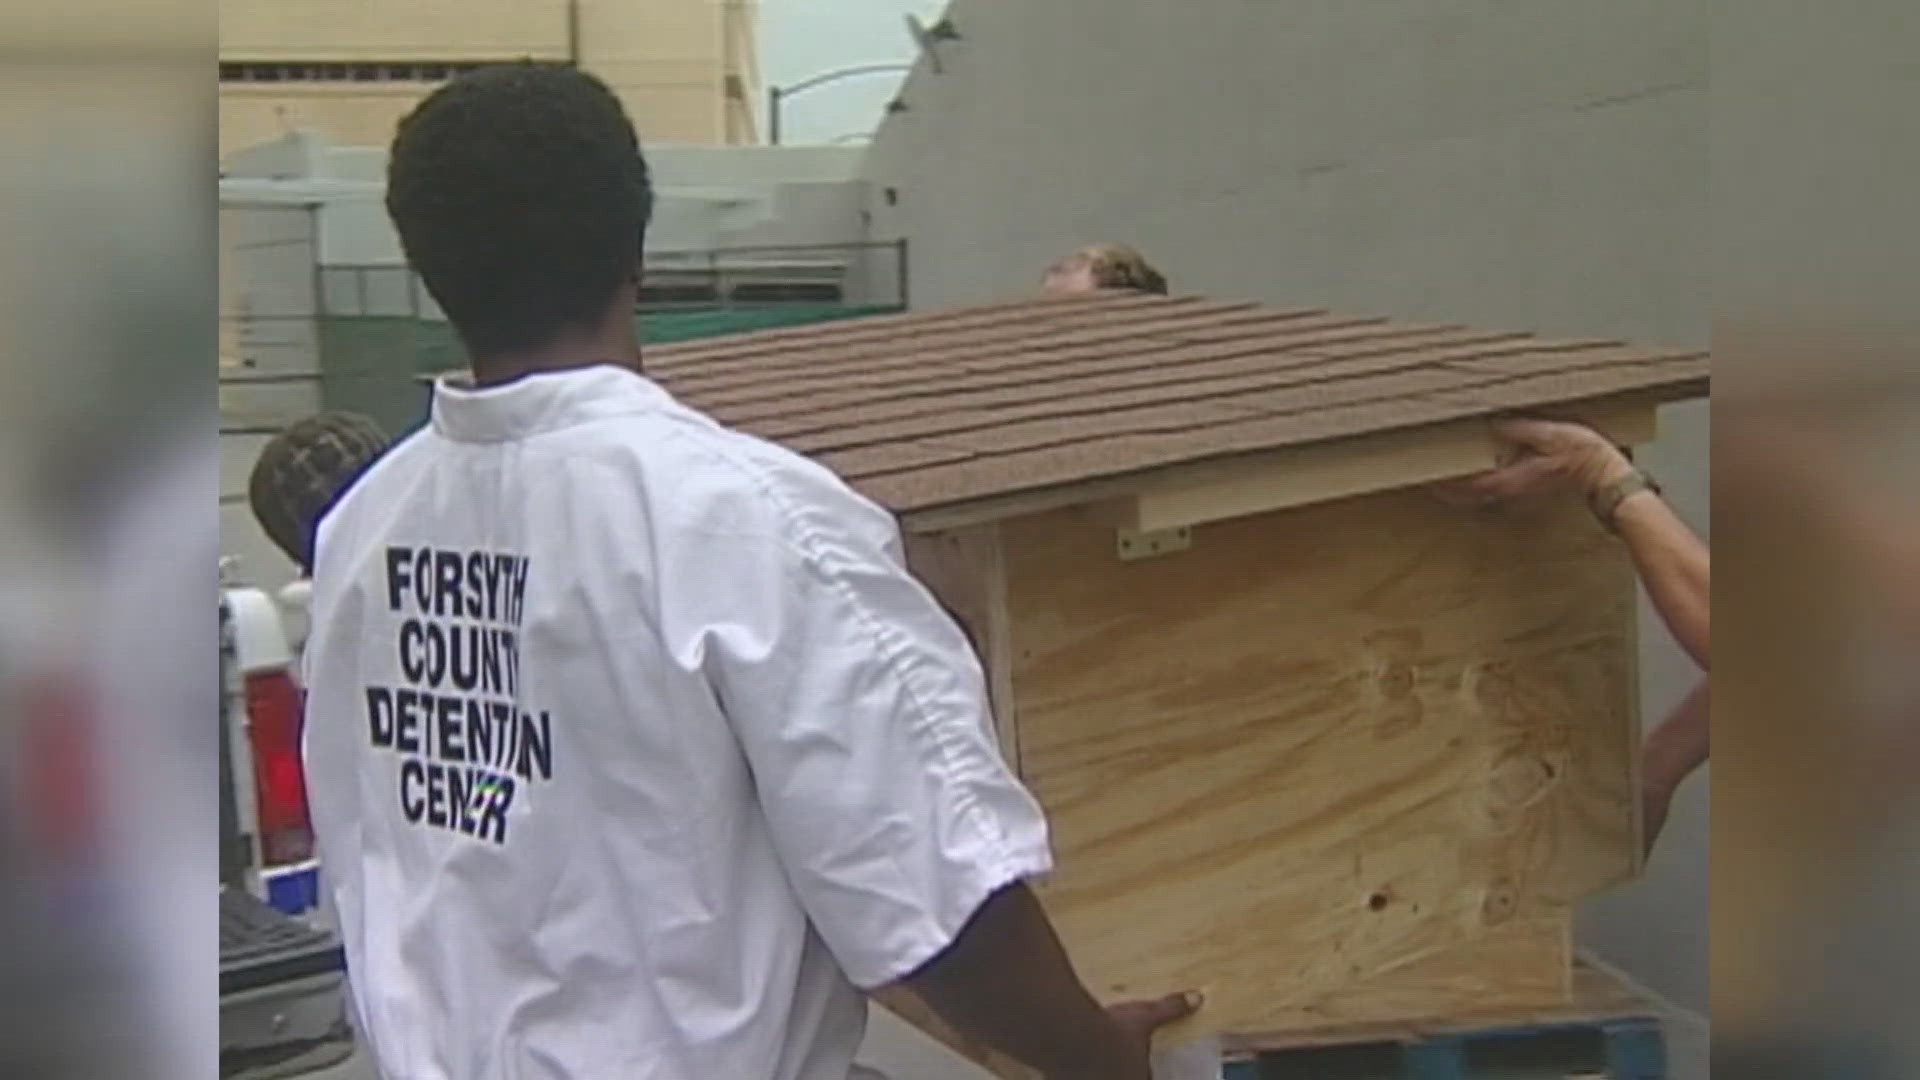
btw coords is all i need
(927, 36)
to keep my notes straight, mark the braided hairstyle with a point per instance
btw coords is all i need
(303, 471)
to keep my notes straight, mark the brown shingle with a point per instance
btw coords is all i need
(1044, 371)
(930, 410)
(1237, 373)
(889, 457)
(906, 350)
(888, 325)
(767, 350)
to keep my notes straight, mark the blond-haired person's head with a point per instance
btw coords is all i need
(1103, 267)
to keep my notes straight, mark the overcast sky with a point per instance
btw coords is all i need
(803, 38)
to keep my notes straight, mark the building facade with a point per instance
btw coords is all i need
(688, 70)
(318, 308)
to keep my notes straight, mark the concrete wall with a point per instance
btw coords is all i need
(698, 166)
(1539, 165)
(269, 360)
(687, 70)
(266, 303)
(1464, 160)
(257, 561)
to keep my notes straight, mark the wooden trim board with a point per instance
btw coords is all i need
(1348, 466)
(1636, 738)
(1322, 472)
(965, 571)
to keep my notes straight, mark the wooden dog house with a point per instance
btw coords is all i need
(1310, 739)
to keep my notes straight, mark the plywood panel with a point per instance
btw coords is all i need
(1515, 967)
(1322, 743)
(1515, 974)
(1125, 467)
(1597, 993)
(1340, 468)
(964, 570)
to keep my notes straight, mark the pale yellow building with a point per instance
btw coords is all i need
(688, 70)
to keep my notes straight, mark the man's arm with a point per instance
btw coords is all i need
(1672, 562)
(1007, 981)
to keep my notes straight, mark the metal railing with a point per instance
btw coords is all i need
(272, 365)
(870, 273)
(866, 273)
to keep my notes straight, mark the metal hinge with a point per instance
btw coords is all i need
(1134, 544)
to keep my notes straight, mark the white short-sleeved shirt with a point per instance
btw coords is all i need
(632, 748)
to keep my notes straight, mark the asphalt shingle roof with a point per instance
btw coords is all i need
(932, 410)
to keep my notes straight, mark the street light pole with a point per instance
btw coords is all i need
(777, 94)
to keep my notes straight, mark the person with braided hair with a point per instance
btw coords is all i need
(303, 471)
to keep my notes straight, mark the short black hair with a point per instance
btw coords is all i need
(522, 199)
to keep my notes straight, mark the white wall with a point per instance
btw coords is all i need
(1536, 166)
(296, 155)
(683, 166)
(267, 330)
(704, 197)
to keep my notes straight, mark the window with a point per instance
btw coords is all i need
(666, 295)
(303, 71)
(766, 292)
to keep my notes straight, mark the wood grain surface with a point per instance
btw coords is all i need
(1596, 993)
(1322, 745)
(964, 570)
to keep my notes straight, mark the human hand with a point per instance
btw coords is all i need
(1539, 456)
(1136, 1021)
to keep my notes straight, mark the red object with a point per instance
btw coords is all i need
(274, 719)
(62, 789)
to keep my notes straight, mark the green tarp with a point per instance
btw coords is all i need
(665, 327)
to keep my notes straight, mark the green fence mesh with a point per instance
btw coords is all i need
(374, 365)
(665, 327)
